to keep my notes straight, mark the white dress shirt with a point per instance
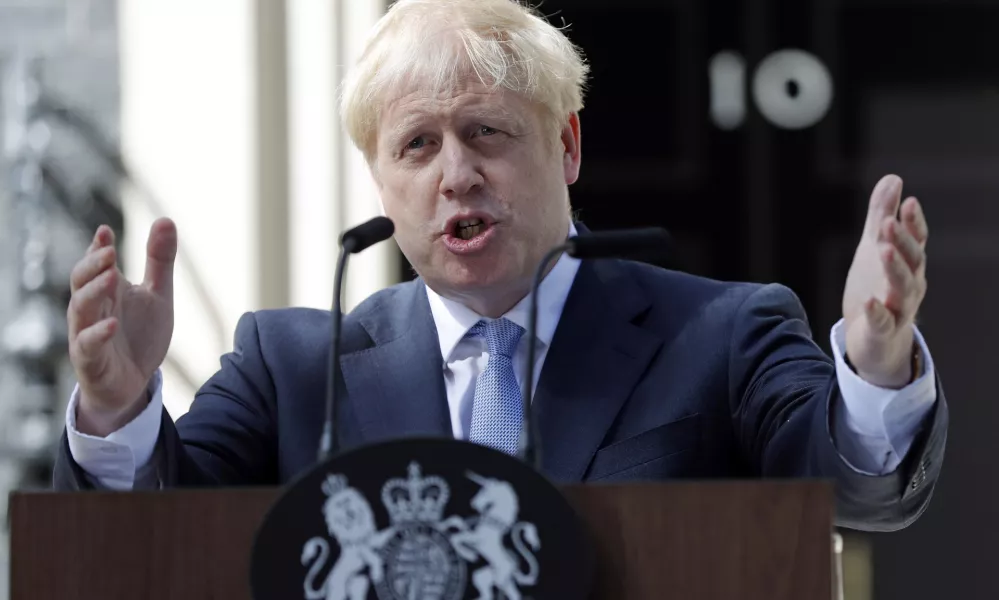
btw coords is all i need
(872, 434)
(466, 357)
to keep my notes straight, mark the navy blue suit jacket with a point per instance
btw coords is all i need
(652, 375)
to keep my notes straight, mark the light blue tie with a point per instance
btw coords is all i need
(497, 411)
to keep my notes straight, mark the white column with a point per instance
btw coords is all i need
(331, 187)
(205, 139)
(315, 217)
(376, 267)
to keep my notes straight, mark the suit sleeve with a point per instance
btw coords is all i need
(227, 438)
(785, 398)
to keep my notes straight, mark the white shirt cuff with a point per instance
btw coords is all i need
(114, 460)
(877, 426)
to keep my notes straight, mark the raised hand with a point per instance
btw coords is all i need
(885, 287)
(119, 333)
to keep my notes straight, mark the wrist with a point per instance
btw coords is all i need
(905, 374)
(101, 422)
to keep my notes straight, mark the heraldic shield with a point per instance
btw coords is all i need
(427, 519)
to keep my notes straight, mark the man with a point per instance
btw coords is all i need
(467, 113)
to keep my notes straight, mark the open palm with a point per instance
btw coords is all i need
(886, 286)
(119, 332)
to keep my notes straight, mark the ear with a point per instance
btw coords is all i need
(571, 149)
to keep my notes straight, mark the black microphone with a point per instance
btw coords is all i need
(367, 234)
(652, 242)
(634, 244)
(352, 241)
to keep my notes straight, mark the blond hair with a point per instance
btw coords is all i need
(437, 44)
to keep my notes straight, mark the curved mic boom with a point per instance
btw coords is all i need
(352, 241)
(624, 243)
(650, 242)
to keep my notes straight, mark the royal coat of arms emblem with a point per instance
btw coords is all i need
(423, 553)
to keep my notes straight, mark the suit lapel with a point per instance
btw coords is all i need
(596, 359)
(396, 387)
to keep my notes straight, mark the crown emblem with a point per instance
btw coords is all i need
(416, 498)
(334, 484)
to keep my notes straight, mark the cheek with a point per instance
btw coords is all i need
(404, 204)
(412, 208)
(541, 197)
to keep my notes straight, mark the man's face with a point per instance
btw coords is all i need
(475, 182)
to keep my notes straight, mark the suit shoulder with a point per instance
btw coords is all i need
(696, 292)
(306, 316)
(662, 283)
(388, 298)
(304, 325)
(287, 320)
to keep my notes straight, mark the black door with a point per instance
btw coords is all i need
(703, 118)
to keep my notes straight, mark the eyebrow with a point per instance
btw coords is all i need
(403, 128)
(410, 121)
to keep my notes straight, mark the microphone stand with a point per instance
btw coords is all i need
(530, 437)
(329, 443)
(634, 243)
(355, 240)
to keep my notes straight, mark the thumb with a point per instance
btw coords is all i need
(161, 251)
(879, 318)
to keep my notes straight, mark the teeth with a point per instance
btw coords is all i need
(467, 233)
(466, 229)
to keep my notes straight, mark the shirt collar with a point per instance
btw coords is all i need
(453, 319)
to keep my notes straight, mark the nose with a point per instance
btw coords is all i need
(460, 170)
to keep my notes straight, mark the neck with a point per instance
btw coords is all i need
(495, 302)
(492, 303)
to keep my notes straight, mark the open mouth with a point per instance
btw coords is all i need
(470, 235)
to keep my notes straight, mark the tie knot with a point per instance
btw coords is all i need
(501, 335)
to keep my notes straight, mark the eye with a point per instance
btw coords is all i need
(487, 130)
(416, 143)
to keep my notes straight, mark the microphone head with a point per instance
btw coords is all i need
(647, 243)
(367, 234)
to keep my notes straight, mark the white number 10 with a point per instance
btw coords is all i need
(792, 89)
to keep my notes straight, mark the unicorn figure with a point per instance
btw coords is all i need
(498, 506)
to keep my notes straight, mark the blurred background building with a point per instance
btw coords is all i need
(753, 130)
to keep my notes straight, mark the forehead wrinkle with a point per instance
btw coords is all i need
(451, 108)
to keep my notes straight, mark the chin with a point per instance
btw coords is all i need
(472, 274)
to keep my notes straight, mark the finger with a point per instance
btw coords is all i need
(898, 236)
(161, 252)
(880, 319)
(901, 280)
(103, 237)
(915, 220)
(884, 203)
(91, 266)
(88, 344)
(92, 302)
